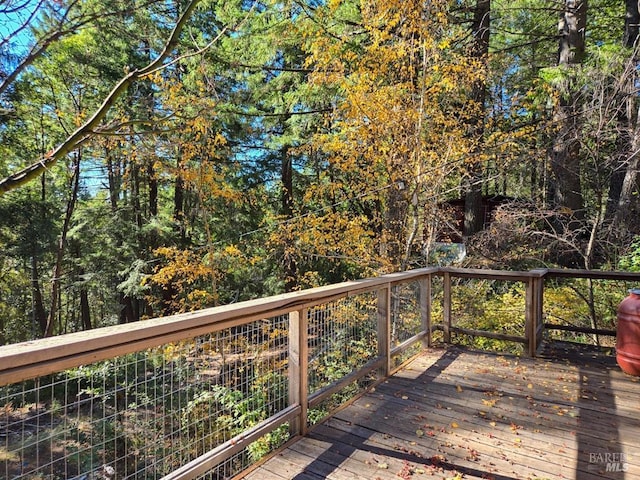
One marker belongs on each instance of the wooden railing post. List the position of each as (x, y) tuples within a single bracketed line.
[(534, 325), (530, 318), (298, 369), (425, 308), (537, 307), (446, 307), (384, 328)]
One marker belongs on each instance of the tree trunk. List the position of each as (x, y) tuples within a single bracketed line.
[(395, 219), (565, 160), (85, 311), (626, 213), (290, 264), (623, 205), (178, 200), (136, 194), (149, 104), (39, 313), (565, 154), (631, 24), (473, 215), (57, 270), (115, 180), (153, 189), (127, 310)]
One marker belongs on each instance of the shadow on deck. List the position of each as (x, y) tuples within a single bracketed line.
[(455, 413)]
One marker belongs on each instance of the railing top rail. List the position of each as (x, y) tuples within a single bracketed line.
[(593, 274), (27, 359), (513, 275), (540, 273), (40, 357)]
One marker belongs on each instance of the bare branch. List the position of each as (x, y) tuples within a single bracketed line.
[(25, 24)]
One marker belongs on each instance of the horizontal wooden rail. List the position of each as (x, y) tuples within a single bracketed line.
[(532, 335), (510, 275), (592, 274), (487, 334), (39, 359), (576, 329), (45, 356)]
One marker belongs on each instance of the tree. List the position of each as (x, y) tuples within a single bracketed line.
[(396, 136), (27, 234), (480, 29), (565, 153), (623, 205), (59, 19)]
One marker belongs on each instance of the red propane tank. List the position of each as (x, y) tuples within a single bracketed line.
[(628, 333)]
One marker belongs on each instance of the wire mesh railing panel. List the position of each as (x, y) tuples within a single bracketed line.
[(342, 339), (78, 422), (143, 415), (437, 310), (406, 319)]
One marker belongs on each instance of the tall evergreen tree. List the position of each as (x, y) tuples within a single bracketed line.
[(565, 154), (481, 31)]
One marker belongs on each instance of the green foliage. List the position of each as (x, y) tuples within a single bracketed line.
[(27, 239), (288, 145), (557, 76), (14, 288), (581, 304), (491, 306), (215, 415), (29, 225), (630, 261)]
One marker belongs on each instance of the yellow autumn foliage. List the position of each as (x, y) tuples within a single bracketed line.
[(399, 120), (187, 281)]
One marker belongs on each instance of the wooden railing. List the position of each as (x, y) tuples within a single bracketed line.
[(279, 356), (534, 313), (534, 281), (300, 338)]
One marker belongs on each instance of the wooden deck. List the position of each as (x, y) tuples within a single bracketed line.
[(454, 413)]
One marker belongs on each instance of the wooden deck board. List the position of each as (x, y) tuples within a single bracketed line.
[(454, 413)]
